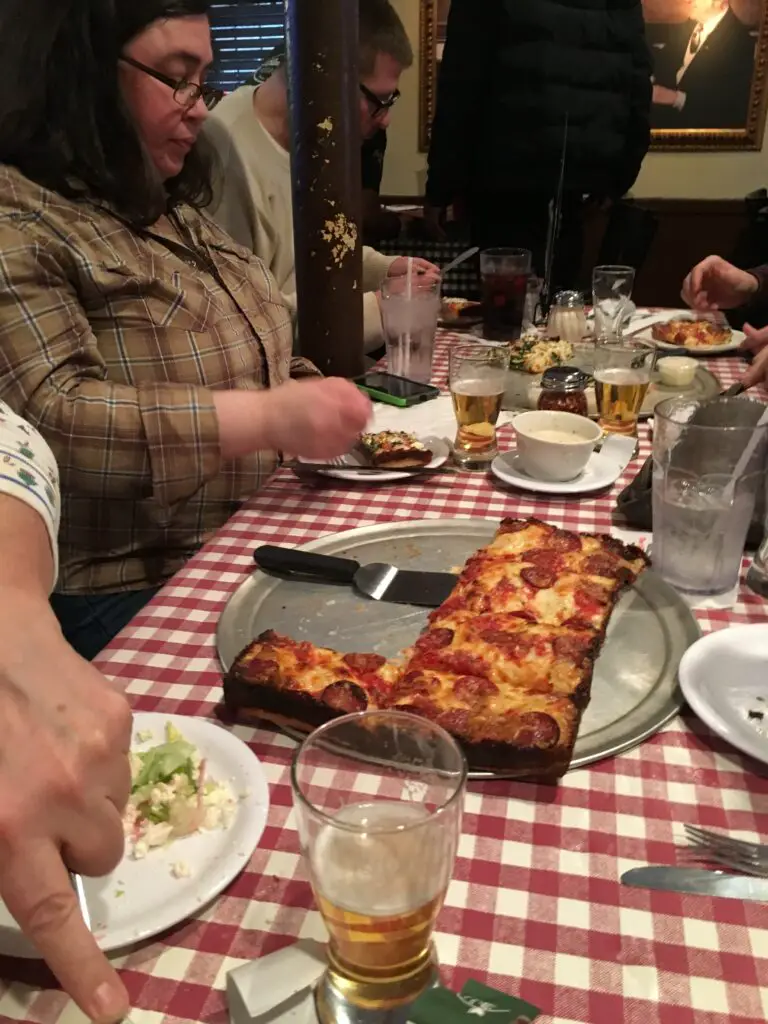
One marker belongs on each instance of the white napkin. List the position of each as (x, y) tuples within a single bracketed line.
[(434, 418)]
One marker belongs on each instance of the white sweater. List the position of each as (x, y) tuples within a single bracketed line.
[(253, 202)]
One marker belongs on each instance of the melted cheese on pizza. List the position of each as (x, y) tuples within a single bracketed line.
[(507, 659), (692, 333)]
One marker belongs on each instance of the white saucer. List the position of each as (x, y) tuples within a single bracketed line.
[(437, 446), (603, 469), (723, 678)]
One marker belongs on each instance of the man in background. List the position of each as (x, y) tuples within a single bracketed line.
[(250, 131), (378, 222), (511, 70), (710, 84)]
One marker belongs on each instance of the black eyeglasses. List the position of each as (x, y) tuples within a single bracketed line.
[(186, 94), (379, 106)]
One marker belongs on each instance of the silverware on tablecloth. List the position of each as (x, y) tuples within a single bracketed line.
[(77, 885), (735, 854), (698, 882), (467, 254), (379, 581), (336, 464)]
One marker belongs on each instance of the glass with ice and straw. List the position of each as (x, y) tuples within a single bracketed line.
[(410, 306), (708, 464)]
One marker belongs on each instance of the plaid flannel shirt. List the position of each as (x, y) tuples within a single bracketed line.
[(112, 342)]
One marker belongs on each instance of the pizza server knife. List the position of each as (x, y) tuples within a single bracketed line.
[(379, 581), (699, 881)]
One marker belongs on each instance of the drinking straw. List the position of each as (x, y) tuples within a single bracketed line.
[(409, 311), (745, 457)]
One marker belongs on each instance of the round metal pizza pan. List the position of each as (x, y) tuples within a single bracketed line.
[(634, 689)]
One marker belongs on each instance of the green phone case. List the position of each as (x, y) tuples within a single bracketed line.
[(383, 396)]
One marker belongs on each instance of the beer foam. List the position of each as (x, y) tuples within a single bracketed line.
[(382, 873)]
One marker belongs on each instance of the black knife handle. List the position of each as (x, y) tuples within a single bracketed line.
[(293, 561)]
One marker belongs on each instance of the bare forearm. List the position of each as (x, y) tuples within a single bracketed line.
[(26, 560), (243, 422)]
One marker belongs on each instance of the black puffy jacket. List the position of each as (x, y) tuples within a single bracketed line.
[(511, 69)]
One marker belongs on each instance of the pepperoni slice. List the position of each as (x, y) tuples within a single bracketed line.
[(435, 638), (460, 662), (578, 623), (453, 604), (469, 688), (549, 560), (513, 526), (591, 591), (497, 637), (536, 729), (602, 564), (562, 540), (541, 579), (615, 546), (263, 668), (570, 647), (346, 696), (519, 645), (363, 663), (456, 720), (421, 706)]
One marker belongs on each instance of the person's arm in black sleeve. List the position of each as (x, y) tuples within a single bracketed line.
[(639, 128), (464, 73)]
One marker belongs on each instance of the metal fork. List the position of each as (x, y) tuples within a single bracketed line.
[(736, 854)]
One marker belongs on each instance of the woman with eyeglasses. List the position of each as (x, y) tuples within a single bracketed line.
[(151, 351), (251, 133)]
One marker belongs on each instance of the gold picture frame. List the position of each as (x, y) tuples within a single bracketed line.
[(665, 136)]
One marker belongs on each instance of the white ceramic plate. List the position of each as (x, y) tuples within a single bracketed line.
[(440, 453), (141, 898), (724, 677), (601, 471), (737, 337)]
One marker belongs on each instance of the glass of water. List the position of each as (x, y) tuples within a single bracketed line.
[(704, 491), (410, 306), (611, 292)]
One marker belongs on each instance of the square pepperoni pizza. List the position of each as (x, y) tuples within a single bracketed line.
[(505, 663)]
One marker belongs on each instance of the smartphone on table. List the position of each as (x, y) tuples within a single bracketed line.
[(386, 387)]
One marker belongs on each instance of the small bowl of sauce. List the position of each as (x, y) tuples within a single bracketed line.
[(554, 446)]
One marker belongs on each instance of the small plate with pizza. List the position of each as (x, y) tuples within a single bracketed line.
[(696, 334), (459, 314), (391, 451)]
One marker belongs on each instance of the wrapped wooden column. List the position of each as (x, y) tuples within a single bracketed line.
[(322, 40)]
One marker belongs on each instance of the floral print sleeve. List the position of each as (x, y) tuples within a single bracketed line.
[(28, 472)]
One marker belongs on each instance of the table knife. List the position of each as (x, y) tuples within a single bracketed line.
[(77, 884), (699, 882), (379, 581)]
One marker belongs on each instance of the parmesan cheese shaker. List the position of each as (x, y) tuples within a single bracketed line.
[(567, 318)]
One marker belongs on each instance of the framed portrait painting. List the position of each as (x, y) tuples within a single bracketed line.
[(708, 68)]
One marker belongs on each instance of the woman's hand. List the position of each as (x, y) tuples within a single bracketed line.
[(755, 340), (316, 419), (423, 268), (64, 782), (758, 371), (716, 284)]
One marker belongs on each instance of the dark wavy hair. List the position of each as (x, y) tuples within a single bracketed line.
[(63, 121)]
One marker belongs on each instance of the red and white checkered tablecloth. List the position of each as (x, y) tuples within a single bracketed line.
[(536, 907)]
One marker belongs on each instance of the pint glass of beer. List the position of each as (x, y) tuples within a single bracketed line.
[(378, 798), (477, 378), (622, 378)]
